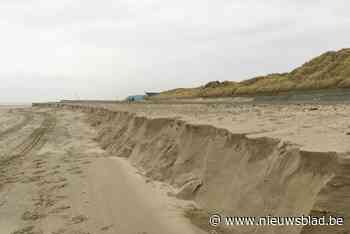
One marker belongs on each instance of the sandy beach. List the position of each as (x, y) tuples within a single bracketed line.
[(174, 117), (161, 168), (314, 127), (56, 179)]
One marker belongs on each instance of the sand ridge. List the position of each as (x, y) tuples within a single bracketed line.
[(74, 174), (227, 172), (313, 127), (58, 180)]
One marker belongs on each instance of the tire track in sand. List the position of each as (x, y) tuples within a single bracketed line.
[(9, 164), (27, 118), (35, 140)]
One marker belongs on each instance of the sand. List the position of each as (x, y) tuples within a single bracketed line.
[(138, 168), (235, 173), (55, 178), (312, 127)]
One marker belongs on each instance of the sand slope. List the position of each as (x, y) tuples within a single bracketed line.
[(313, 127), (56, 179), (228, 172)]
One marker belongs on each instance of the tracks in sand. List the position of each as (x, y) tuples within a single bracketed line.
[(28, 116), (34, 141)]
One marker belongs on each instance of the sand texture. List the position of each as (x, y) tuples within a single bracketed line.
[(321, 128), (239, 173), (55, 178), (157, 168)]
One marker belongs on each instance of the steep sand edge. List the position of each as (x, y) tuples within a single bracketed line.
[(254, 177)]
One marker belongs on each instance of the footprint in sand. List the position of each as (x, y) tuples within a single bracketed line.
[(55, 172), (25, 230), (32, 216), (106, 228), (44, 201), (61, 197), (39, 164), (37, 160), (39, 172), (59, 209), (79, 219), (56, 180), (57, 187), (11, 180)]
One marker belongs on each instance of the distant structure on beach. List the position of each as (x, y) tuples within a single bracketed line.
[(151, 94), (136, 98)]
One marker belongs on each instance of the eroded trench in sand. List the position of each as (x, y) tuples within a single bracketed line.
[(230, 173)]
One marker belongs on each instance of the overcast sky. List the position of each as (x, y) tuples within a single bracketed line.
[(53, 49)]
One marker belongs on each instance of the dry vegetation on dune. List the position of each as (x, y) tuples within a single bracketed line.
[(330, 70)]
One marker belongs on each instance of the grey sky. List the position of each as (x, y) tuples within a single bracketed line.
[(52, 49)]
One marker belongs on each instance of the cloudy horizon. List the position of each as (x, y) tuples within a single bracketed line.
[(110, 49)]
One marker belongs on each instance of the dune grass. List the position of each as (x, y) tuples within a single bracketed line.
[(327, 71)]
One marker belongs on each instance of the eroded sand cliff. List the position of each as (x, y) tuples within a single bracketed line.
[(227, 172)]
